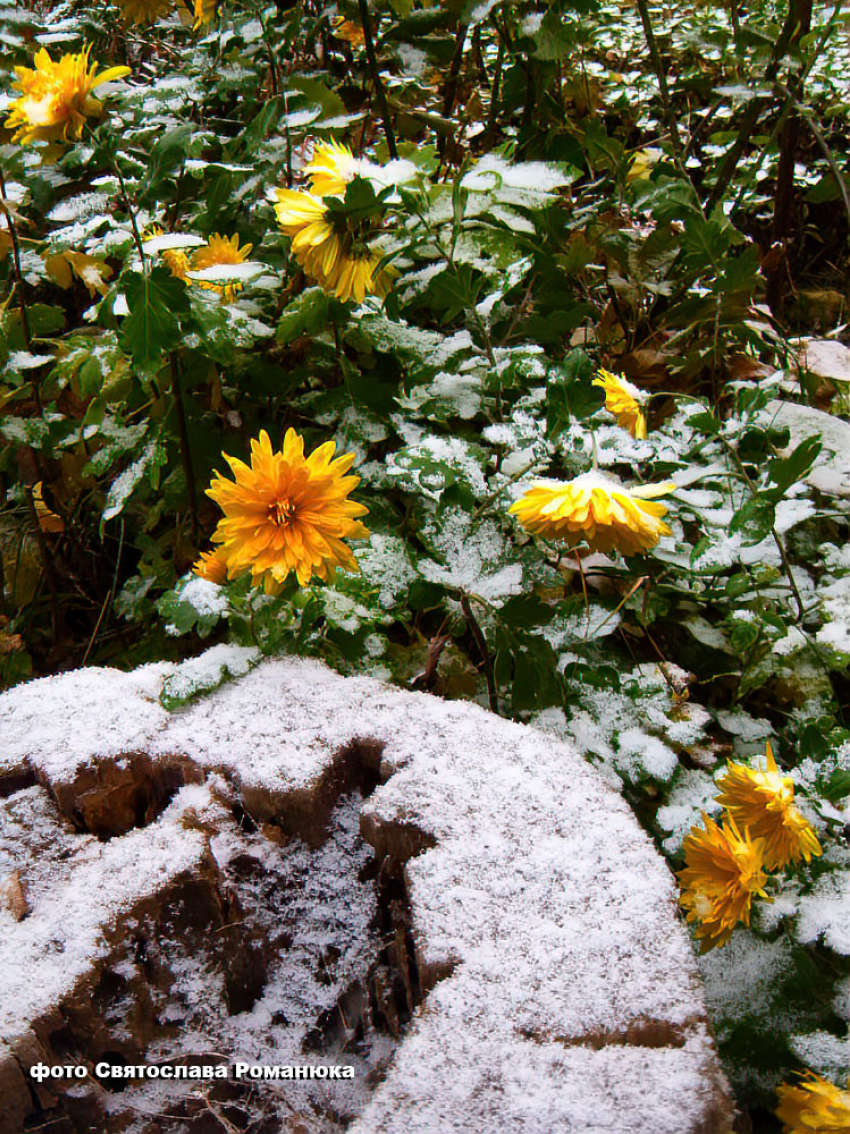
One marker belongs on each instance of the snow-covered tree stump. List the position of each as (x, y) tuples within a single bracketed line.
[(303, 869)]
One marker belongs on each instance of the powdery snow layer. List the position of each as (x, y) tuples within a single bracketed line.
[(560, 988)]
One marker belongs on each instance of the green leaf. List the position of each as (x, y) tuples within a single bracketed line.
[(754, 521), (785, 471), (570, 393), (738, 585), (169, 151), (418, 24), (155, 300), (305, 315), (836, 786), (705, 423), (456, 290), (526, 611)]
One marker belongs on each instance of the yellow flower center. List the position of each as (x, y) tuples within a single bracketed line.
[(281, 512)]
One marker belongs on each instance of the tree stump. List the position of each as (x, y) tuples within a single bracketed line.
[(305, 870)]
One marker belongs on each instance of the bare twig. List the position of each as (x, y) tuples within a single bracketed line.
[(107, 602), (748, 122), (817, 133), (481, 643), (454, 71), (661, 76), (777, 538), (16, 267), (377, 82), (185, 451)]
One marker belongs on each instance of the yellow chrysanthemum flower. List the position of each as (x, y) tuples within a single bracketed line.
[(332, 167), (814, 1106), (624, 401), (763, 803), (723, 871), (144, 11), (211, 565), (218, 251), (55, 97), (205, 12), (596, 510), (349, 31), (340, 264), (287, 512)]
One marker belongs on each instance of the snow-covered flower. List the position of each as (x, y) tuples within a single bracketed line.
[(625, 401), (596, 510), (723, 871), (218, 251), (331, 168), (763, 803)]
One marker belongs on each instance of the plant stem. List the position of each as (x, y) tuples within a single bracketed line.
[(454, 71), (817, 133), (661, 76), (481, 643), (273, 69), (748, 123), (512, 479), (107, 602), (777, 538), (185, 451), (19, 276), (377, 82), (496, 88), (137, 236)]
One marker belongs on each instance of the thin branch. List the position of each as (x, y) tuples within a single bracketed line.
[(748, 123), (107, 602), (496, 88), (661, 76), (273, 67), (16, 267), (137, 236), (828, 154), (47, 563), (454, 71), (777, 538), (481, 643), (377, 82), (185, 451)]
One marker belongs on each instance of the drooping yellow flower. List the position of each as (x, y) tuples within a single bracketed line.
[(337, 261), (624, 401), (763, 802), (211, 565), (814, 1106), (349, 31), (56, 97), (332, 167), (144, 11), (217, 252), (205, 12), (723, 871), (287, 512), (596, 510)]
